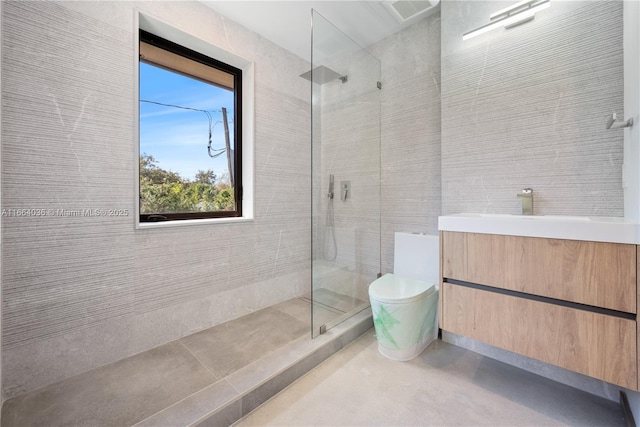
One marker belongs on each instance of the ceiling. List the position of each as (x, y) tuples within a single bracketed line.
[(288, 23)]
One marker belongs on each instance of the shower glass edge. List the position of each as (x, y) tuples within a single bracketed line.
[(345, 175)]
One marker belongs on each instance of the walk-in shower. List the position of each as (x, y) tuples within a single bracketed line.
[(345, 105)]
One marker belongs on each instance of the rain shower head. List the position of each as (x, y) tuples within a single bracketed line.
[(322, 75)]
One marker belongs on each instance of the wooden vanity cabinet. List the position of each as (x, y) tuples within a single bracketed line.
[(592, 273), (568, 303)]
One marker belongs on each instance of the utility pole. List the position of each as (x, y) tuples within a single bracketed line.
[(230, 154)]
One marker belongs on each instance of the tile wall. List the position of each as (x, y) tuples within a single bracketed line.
[(82, 292), (410, 132), (527, 107)]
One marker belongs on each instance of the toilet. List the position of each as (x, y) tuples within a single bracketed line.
[(405, 303)]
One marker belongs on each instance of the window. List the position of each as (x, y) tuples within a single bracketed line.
[(190, 134)]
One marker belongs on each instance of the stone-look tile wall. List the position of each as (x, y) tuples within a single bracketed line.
[(410, 132), (527, 107), (82, 292)]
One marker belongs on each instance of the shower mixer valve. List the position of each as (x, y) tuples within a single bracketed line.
[(345, 189)]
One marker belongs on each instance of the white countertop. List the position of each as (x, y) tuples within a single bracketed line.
[(593, 228)]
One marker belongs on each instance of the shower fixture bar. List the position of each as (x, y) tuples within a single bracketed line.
[(511, 16)]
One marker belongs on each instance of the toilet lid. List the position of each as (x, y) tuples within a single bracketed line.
[(392, 289)]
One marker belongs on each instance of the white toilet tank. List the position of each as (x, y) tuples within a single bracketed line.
[(417, 256)]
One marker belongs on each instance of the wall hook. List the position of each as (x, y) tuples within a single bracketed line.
[(614, 123)]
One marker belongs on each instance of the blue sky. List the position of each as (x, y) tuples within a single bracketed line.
[(178, 138)]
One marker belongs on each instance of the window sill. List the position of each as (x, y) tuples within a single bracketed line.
[(190, 222)]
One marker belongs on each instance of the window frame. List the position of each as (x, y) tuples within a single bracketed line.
[(237, 73)]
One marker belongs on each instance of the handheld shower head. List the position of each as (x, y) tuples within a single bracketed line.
[(330, 193)]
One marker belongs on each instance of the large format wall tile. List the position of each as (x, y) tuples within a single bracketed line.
[(410, 126), (81, 292), (527, 107)]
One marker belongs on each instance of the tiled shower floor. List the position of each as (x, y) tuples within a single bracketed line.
[(211, 377)]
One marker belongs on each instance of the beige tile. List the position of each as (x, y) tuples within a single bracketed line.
[(334, 300), (119, 394), (197, 406), (226, 348), (302, 352), (324, 316), (168, 386), (444, 386), (330, 307), (298, 307)]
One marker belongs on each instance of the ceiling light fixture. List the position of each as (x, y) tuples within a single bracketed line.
[(511, 16)]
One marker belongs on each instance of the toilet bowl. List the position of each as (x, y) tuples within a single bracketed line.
[(405, 303)]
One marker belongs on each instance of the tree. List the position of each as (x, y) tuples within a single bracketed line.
[(149, 169), (165, 191), (225, 200), (206, 177)]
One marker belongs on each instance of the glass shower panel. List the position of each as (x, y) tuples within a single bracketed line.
[(345, 106)]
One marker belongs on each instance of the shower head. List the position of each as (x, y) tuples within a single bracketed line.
[(322, 75)]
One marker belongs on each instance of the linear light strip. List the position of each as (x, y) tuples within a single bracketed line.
[(509, 19), (513, 8)]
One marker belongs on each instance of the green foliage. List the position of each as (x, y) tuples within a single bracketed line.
[(163, 191), (206, 177), (150, 170)]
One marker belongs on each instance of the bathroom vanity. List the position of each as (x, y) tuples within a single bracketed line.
[(563, 290)]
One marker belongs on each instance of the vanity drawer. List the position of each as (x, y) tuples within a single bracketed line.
[(592, 273), (594, 344)]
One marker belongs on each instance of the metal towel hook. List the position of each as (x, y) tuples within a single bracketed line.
[(614, 123)]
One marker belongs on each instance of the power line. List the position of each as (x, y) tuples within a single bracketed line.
[(210, 149)]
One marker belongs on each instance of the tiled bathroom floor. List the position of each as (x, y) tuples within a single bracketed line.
[(445, 386), (131, 390)]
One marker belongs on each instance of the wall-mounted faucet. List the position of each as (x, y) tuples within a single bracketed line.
[(527, 201), (345, 190)]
